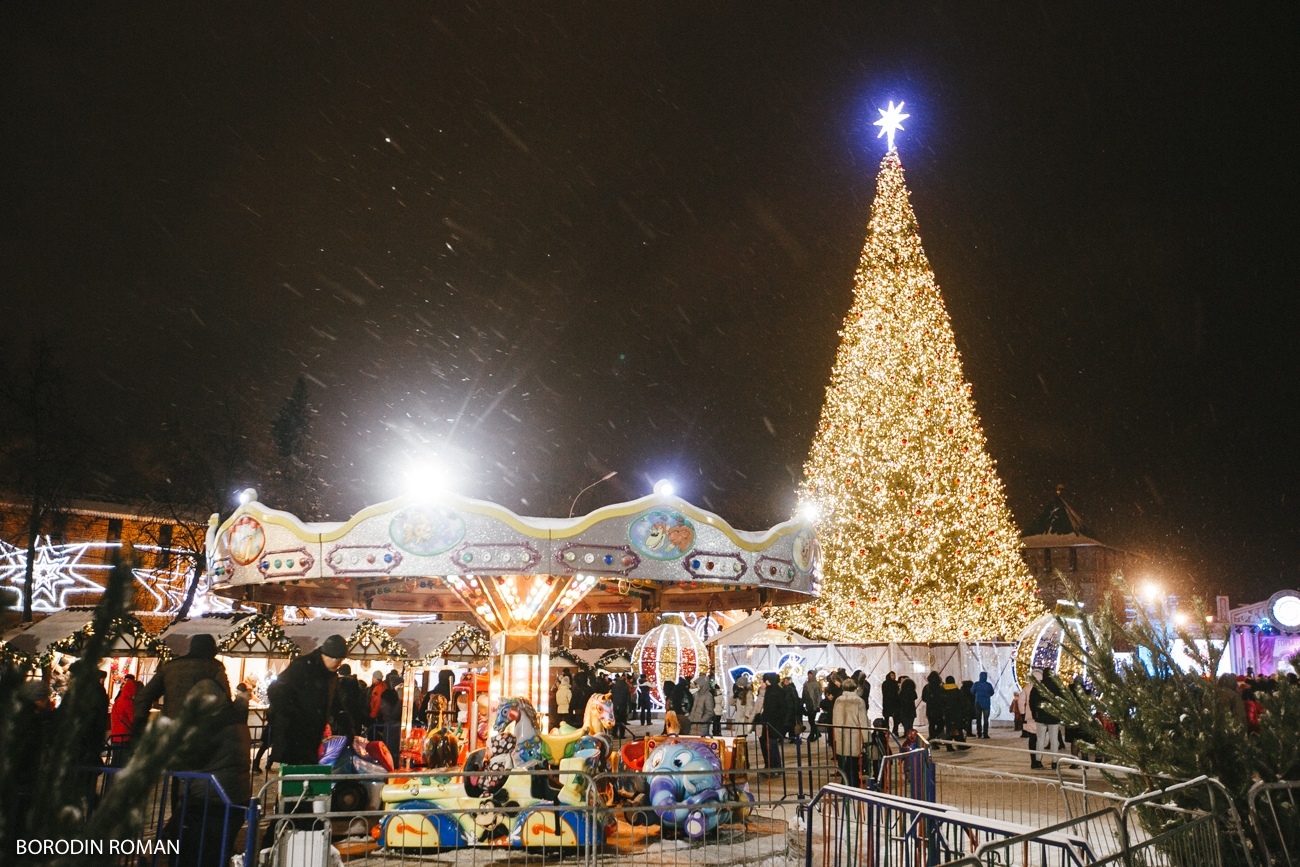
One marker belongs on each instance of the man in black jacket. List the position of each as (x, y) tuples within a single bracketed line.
[(776, 716), (301, 699), (620, 694), (175, 679)]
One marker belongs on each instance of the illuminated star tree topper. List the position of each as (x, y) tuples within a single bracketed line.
[(891, 121)]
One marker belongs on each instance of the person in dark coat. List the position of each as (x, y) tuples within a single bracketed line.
[(983, 692), (390, 710), (889, 701), (683, 701), (776, 714), (669, 693), (620, 694), (932, 695), (582, 693), (952, 707), (968, 710), (350, 706), (223, 753), (175, 680), (643, 700), (301, 698), (906, 704)]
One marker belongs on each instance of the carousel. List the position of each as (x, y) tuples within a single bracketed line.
[(518, 578)]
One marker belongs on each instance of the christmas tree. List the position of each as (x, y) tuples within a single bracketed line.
[(918, 542)]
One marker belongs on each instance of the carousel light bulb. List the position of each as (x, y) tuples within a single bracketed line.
[(664, 488), (247, 495), (808, 512)]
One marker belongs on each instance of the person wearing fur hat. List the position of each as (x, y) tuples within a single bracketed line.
[(301, 698)]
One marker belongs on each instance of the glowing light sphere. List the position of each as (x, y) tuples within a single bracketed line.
[(1040, 646), (668, 652)]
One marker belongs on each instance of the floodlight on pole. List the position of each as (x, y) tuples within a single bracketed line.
[(605, 478)]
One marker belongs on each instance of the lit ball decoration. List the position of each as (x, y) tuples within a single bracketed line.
[(1040, 645), (668, 652)]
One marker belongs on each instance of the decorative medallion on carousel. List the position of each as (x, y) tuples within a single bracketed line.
[(245, 540), (670, 651), (1040, 645), (426, 530), (661, 534), (807, 550)]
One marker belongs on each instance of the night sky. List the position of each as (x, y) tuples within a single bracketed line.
[(539, 242)]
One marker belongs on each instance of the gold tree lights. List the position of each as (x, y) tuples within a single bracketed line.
[(917, 538)]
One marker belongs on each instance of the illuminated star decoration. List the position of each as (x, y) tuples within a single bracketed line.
[(891, 120), (56, 573)]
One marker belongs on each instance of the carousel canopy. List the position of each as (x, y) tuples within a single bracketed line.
[(513, 574), (177, 637)]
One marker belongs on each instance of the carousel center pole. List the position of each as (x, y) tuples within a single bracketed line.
[(521, 666)]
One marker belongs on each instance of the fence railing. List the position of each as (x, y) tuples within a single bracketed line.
[(187, 819), (739, 816), (1151, 830), (860, 828), (1275, 816)]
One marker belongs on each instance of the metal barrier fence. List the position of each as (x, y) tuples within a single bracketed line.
[(1151, 830), (872, 829), (1275, 815), (658, 817), (188, 820)]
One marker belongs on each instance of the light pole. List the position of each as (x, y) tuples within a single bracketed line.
[(605, 478)]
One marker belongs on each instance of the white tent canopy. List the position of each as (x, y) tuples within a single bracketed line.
[(755, 625), (35, 638), (178, 635), (311, 634), (422, 639)]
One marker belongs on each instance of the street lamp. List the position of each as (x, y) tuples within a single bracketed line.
[(605, 478)]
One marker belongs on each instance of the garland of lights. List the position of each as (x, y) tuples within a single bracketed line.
[(258, 635), (467, 641), (128, 628), (368, 635), (917, 539), (15, 658), (610, 656), (565, 653)]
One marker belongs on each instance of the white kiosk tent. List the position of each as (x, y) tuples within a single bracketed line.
[(254, 650), (132, 649), (962, 660), (178, 635)]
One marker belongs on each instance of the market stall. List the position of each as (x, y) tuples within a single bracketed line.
[(54, 641)]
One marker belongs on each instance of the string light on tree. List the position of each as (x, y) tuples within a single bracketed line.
[(917, 539)]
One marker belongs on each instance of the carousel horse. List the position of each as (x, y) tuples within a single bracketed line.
[(582, 752), (433, 811), (515, 744), (688, 793), (440, 748)]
